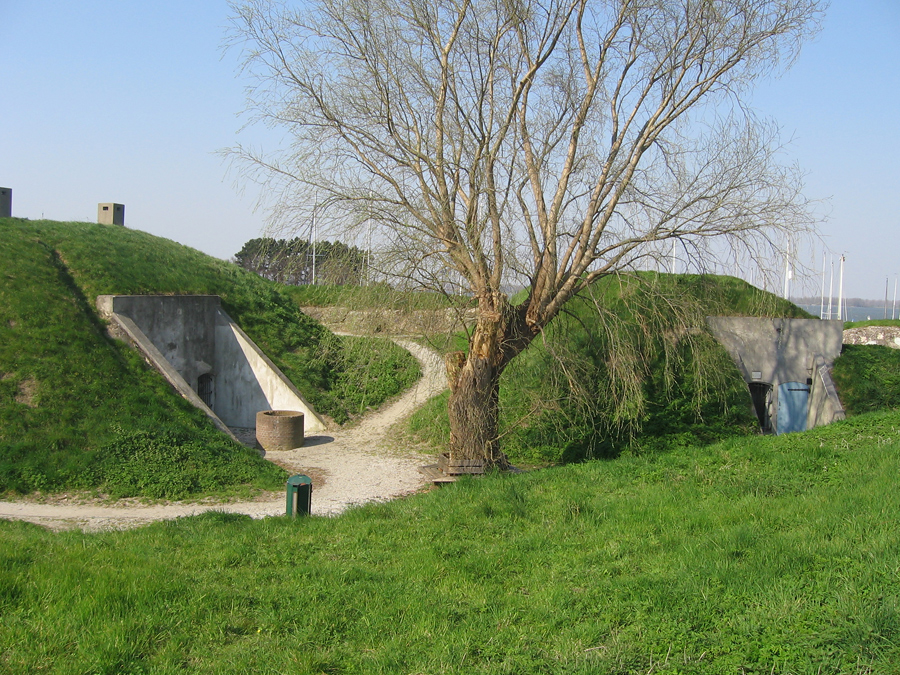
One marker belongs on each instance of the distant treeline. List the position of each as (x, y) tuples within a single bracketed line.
[(292, 261), (849, 302)]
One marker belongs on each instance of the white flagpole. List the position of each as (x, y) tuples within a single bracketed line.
[(894, 306), (841, 292), (822, 305), (831, 290)]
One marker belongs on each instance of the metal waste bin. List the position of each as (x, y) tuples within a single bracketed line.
[(299, 496)]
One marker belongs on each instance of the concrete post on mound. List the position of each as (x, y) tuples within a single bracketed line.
[(5, 202), (111, 214)]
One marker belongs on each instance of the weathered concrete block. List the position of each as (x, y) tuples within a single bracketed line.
[(111, 214), (5, 202)]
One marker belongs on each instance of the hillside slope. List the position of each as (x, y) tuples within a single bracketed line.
[(79, 410)]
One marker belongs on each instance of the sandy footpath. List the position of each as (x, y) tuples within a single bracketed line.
[(348, 467)]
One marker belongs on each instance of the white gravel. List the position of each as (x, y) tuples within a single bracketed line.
[(348, 467)]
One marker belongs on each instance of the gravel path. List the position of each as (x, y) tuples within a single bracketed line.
[(348, 467)]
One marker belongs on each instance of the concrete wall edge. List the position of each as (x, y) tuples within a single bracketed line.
[(319, 423), (128, 331)]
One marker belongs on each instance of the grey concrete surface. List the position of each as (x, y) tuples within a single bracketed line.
[(5, 202), (188, 337), (778, 351), (109, 213), (824, 403)]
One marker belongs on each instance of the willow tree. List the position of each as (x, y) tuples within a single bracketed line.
[(549, 142)]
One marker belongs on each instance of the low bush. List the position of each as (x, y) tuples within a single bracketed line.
[(368, 371)]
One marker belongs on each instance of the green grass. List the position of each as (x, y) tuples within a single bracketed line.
[(71, 399), (873, 322), (868, 378), (365, 372), (639, 373), (376, 296), (765, 555)]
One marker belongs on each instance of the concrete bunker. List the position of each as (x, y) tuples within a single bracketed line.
[(111, 214), (206, 356), (5, 202), (786, 364)]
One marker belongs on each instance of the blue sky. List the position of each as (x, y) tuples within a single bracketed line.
[(129, 102)]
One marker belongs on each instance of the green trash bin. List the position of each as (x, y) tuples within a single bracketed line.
[(299, 495)]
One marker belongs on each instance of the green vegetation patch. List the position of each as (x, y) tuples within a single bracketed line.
[(374, 296), (770, 554), (364, 373), (868, 378)]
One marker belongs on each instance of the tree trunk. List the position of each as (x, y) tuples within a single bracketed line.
[(474, 410)]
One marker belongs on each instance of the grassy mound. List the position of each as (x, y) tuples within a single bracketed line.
[(629, 365), (71, 398), (868, 378), (373, 297), (768, 554)]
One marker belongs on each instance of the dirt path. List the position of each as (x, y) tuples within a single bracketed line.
[(348, 467)]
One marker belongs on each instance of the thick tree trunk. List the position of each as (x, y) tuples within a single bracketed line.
[(474, 410)]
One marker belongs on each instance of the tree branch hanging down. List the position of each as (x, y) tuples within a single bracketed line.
[(539, 143)]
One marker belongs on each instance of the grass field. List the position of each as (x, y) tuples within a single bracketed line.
[(748, 555), (764, 555)]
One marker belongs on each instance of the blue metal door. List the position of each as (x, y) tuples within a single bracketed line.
[(793, 399)]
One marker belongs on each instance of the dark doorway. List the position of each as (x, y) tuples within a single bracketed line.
[(205, 389), (761, 394)]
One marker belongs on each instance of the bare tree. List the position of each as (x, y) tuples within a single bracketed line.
[(549, 142)]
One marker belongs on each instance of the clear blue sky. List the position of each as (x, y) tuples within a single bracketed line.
[(128, 102)]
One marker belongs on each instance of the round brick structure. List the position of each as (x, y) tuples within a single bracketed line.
[(279, 429)]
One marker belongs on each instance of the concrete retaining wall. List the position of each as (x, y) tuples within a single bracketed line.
[(186, 337), (824, 404)]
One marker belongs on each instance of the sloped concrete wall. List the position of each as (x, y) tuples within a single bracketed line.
[(824, 404), (247, 381), (124, 328), (179, 326), (186, 337)]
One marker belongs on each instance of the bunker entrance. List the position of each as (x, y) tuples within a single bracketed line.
[(793, 402), (761, 394), (205, 389)]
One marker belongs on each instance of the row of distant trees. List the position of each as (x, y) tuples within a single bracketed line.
[(298, 261)]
